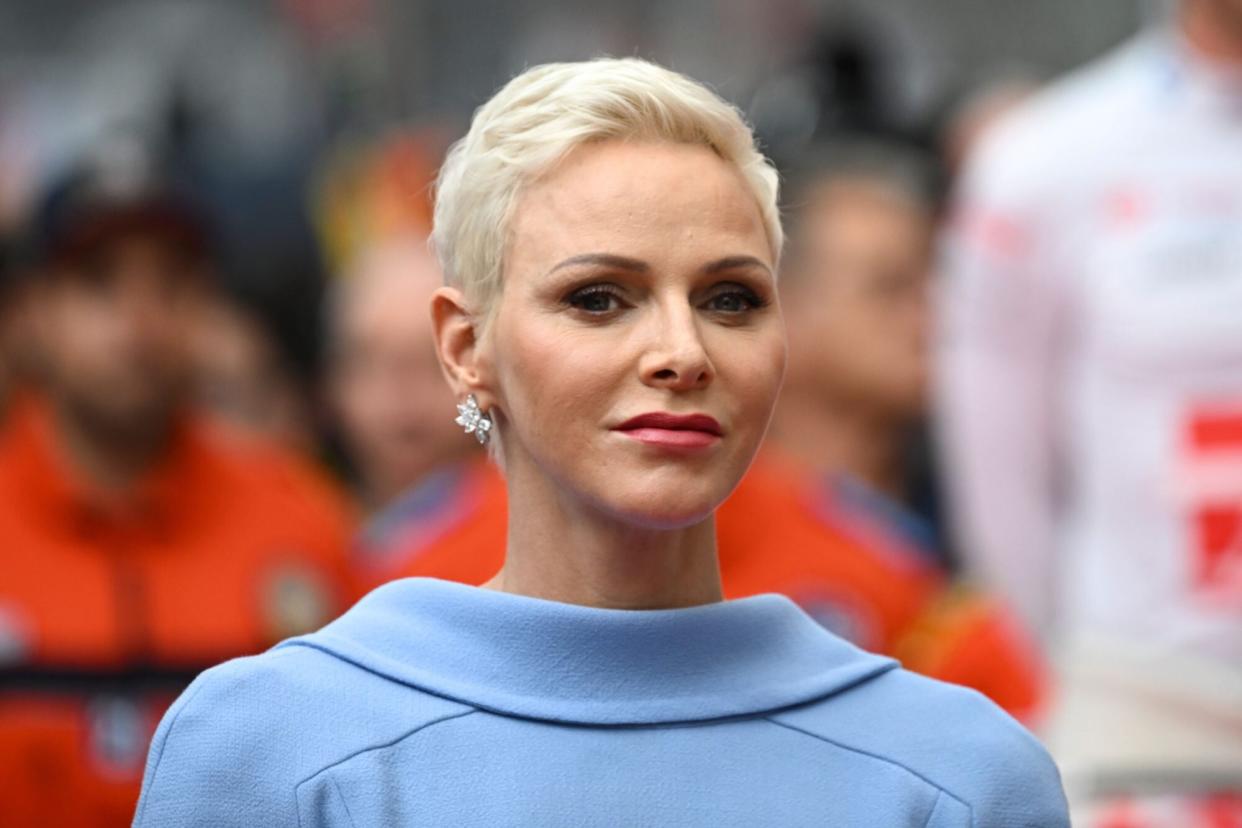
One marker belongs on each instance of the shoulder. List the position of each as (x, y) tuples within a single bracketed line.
[(234, 747), (953, 738), (1065, 131)]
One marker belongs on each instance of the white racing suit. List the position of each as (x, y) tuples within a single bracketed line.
[(1090, 394)]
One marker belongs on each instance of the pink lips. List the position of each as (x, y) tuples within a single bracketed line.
[(673, 431)]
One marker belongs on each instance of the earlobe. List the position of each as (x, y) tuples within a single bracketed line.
[(457, 344)]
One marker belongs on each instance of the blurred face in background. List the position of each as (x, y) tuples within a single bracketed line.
[(114, 329), (394, 408), (1230, 12), (243, 379), (857, 298)]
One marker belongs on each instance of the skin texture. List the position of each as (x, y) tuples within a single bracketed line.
[(115, 335), (859, 314), (385, 384), (1214, 29), (242, 379), (573, 349), (857, 294)]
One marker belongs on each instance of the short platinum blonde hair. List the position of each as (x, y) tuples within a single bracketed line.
[(539, 117)]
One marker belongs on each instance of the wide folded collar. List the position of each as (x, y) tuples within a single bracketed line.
[(559, 662)]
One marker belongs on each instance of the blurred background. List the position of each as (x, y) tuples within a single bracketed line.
[(222, 420), (264, 101)]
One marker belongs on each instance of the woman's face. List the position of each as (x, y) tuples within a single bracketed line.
[(638, 284)]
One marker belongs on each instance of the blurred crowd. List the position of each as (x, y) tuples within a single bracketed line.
[(1008, 450)]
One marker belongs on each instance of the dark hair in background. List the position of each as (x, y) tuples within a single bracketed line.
[(904, 166)]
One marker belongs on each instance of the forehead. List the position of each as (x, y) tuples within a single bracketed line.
[(867, 219), (129, 261), (132, 246), (388, 291), (861, 199), (660, 202), (850, 235)]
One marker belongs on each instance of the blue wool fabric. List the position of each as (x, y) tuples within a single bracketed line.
[(436, 704)]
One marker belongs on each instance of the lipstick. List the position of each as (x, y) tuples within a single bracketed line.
[(678, 432)]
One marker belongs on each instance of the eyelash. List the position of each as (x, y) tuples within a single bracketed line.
[(752, 300), (577, 299)]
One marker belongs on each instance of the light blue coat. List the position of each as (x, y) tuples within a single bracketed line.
[(436, 704)]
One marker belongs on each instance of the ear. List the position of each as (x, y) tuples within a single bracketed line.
[(456, 330)]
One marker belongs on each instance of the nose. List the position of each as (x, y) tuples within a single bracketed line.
[(676, 358)]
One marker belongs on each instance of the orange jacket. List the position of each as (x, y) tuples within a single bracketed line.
[(451, 526), (785, 530), (108, 607), (782, 531)]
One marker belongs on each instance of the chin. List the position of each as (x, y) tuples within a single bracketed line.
[(665, 520), (659, 507)]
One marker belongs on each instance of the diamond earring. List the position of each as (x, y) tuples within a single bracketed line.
[(473, 419)]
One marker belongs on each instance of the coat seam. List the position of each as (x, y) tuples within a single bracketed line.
[(344, 804), (382, 746), (935, 807), (942, 791)]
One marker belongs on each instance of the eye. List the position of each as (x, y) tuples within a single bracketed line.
[(734, 299), (595, 299)]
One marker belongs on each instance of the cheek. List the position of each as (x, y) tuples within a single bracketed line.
[(74, 338), (755, 371), (776, 363), (551, 380), (816, 317), (819, 335), (857, 326), (77, 323)]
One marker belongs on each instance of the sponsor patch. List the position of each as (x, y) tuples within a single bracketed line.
[(15, 637), (296, 599)]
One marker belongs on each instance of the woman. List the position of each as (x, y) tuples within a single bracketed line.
[(610, 237)]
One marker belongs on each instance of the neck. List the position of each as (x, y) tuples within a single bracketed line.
[(109, 459), (1213, 30), (565, 550), (841, 438)]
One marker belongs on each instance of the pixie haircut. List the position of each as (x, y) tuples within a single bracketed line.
[(537, 118)]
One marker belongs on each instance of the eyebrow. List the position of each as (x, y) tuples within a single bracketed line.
[(639, 266), (733, 262), (604, 260)]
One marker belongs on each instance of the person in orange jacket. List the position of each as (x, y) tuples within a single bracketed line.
[(139, 543), (855, 288)]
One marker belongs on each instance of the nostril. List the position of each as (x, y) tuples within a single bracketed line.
[(666, 373)]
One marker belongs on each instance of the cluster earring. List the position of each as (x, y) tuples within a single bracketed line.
[(474, 419)]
